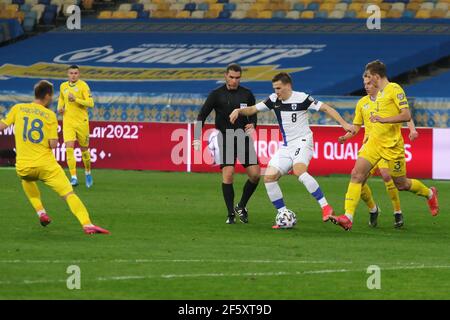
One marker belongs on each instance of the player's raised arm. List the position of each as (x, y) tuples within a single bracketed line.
[(248, 111), (87, 100), (337, 117)]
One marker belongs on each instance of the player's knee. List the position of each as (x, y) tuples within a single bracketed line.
[(357, 176), (270, 178), (386, 177), (401, 185), (67, 195)]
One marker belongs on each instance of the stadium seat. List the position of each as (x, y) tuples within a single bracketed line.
[(266, 14), (229, 6), (6, 1), (216, 7), (394, 14), (39, 9), (238, 14), (125, 7), (198, 14), (409, 14), (414, 6), (427, 6), (299, 6), (438, 14), (293, 14), (203, 6), (18, 2), (184, 14), (106, 14), (356, 6), (12, 7), (151, 7), (308, 14), (350, 14), (222, 1), (399, 6), (336, 14), (120, 14), (44, 2), (243, 6), (313, 6), (279, 14), (131, 15), (260, 6), (327, 6), (28, 24), (212, 14), (224, 14), (423, 14), (341, 6), (442, 6)]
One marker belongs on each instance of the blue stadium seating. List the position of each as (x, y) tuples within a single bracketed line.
[(190, 6), (225, 14), (137, 7)]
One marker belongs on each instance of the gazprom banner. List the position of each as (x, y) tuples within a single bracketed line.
[(194, 62)]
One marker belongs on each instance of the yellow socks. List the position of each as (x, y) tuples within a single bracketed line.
[(71, 162), (352, 197), (78, 209), (86, 155), (366, 196), (32, 192), (393, 195), (419, 188)]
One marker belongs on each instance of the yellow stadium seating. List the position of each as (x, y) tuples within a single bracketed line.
[(394, 14), (119, 15), (131, 14), (423, 14), (183, 14), (308, 14), (212, 14), (260, 6), (437, 13), (12, 7), (266, 14), (280, 6), (252, 14), (216, 7), (106, 14), (327, 6), (163, 6), (355, 6), (413, 6)]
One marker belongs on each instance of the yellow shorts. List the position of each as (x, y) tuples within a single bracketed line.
[(382, 164), (52, 175), (77, 132), (394, 157)]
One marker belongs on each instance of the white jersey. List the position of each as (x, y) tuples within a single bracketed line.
[(292, 114)]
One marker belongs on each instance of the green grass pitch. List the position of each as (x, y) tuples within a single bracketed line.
[(169, 241)]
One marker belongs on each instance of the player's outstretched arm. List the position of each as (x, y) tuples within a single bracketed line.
[(404, 116), (248, 111), (349, 134), (337, 117)]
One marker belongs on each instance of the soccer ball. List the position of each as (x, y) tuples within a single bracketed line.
[(286, 219)]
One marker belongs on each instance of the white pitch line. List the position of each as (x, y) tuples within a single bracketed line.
[(214, 275), (16, 261)]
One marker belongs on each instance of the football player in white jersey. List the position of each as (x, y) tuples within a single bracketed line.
[(291, 109)]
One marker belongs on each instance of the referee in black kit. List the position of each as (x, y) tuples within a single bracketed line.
[(234, 139)]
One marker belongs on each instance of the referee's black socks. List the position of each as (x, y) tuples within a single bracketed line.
[(228, 196), (249, 188)]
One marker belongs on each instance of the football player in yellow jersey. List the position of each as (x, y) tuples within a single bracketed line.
[(363, 110), (384, 143), (74, 100), (36, 134)]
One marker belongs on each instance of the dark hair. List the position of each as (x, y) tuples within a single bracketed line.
[(74, 66), (284, 77), (234, 67), (377, 67), (42, 88)]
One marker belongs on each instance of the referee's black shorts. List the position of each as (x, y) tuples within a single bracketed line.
[(237, 145)]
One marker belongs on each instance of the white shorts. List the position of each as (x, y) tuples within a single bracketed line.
[(297, 151)]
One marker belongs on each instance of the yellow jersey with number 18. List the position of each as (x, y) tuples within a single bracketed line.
[(389, 102), (34, 126)]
